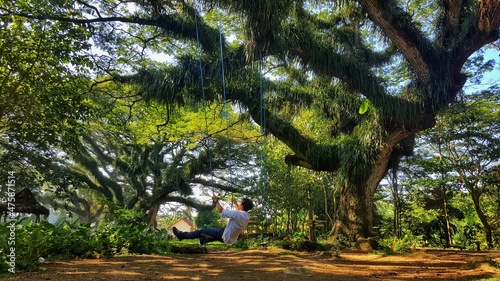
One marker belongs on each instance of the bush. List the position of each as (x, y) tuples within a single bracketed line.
[(36, 240), (140, 239), (70, 240), (407, 243)]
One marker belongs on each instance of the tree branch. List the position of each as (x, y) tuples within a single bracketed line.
[(400, 28), (217, 185), (185, 201), (452, 12), (177, 26), (91, 7)]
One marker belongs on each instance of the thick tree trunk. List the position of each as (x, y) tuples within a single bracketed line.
[(354, 215)]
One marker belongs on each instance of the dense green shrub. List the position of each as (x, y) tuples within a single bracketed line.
[(137, 239), (45, 240), (64, 239), (405, 244)]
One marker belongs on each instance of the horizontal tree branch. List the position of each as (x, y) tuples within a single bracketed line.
[(179, 27)]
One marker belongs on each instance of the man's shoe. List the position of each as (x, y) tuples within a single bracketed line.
[(177, 233)]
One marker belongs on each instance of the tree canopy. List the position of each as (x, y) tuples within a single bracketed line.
[(370, 73)]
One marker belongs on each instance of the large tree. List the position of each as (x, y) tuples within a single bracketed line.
[(141, 155), (399, 62)]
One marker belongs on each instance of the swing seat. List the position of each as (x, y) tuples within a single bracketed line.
[(189, 250)]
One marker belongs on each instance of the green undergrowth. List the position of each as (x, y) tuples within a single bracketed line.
[(35, 242), (194, 243)]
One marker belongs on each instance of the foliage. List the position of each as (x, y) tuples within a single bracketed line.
[(65, 239), (465, 145), (86, 205), (42, 102), (134, 239), (407, 243), (287, 192), (140, 154), (320, 58), (61, 240), (118, 215), (41, 94), (344, 72), (208, 218), (447, 188)]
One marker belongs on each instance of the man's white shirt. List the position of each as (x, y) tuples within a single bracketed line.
[(238, 221)]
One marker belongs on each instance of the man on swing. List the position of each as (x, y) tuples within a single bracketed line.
[(238, 221)]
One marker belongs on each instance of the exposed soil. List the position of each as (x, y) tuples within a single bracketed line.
[(270, 265)]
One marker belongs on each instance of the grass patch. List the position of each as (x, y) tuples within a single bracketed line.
[(194, 242)]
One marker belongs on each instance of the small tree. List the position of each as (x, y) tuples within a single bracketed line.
[(468, 135), (208, 218)]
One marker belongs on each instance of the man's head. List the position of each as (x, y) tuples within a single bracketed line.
[(246, 204)]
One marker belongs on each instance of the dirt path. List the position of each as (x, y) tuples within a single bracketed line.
[(273, 266)]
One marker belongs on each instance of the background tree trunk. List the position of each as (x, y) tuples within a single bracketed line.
[(153, 212), (484, 221)]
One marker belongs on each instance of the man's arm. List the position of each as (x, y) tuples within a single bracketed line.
[(235, 203), (217, 204)]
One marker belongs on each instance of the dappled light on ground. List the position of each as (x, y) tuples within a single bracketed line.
[(276, 265)]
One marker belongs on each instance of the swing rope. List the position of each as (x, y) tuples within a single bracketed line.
[(226, 111), (263, 173), (203, 95), (263, 151), (225, 108), (263, 176)]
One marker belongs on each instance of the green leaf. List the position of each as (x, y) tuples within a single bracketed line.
[(364, 106)]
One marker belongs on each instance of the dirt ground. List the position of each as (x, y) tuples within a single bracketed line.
[(270, 265)]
